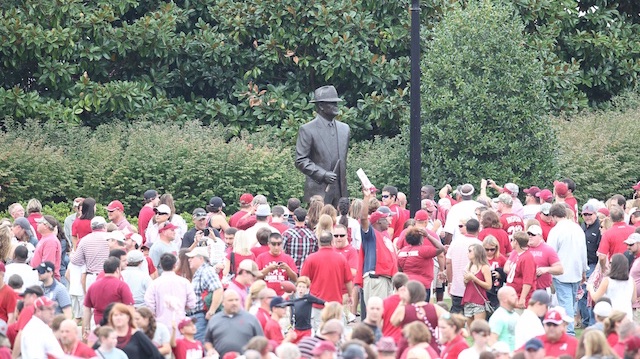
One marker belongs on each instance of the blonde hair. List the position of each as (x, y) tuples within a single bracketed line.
[(241, 243), (331, 211), (331, 310), (610, 322), (304, 279), (493, 241), (593, 342), (254, 290), (325, 223)]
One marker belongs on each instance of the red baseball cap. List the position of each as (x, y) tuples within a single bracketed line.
[(115, 205), (561, 188), (545, 195), (604, 210), (376, 216), (246, 198), (167, 227), (556, 315), (186, 321), (428, 205), (531, 191), (421, 215), (637, 186), (44, 302)]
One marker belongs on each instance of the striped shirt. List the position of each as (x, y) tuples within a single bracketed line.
[(92, 251), (299, 242)]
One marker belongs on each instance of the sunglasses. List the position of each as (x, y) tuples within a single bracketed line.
[(587, 214), (162, 214), (460, 225), (531, 234), (275, 243), (339, 235), (385, 196), (491, 249)]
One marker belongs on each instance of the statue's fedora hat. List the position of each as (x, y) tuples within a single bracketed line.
[(326, 94)]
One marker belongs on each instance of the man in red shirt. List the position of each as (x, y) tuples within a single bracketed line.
[(49, 248), (151, 201), (8, 298), (277, 219), (68, 337), (556, 341), (390, 199), (264, 311), (612, 241), (327, 281), (103, 292), (546, 222), (272, 329), (510, 221), (521, 269), (389, 305), (245, 207), (569, 198), (547, 261), (341, 245), (277, 266)]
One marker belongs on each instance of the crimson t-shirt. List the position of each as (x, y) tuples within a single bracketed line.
[(145, 216), (523, 271), (105, 291), (511, 223), (329, 272), (389, 330), (566, 345), (187, 349), (613, 239), (80, 228), (417, 262), (8, 300), (272, 331), (502, 237), (278, 275)]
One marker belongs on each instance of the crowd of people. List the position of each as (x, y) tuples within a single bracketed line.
[(363, 280)]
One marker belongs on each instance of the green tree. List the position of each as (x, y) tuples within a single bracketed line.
[(484, 100)]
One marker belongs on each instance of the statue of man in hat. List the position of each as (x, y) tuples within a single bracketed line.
[(321, 149)]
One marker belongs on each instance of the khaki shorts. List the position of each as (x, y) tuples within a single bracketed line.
[(377, 287)]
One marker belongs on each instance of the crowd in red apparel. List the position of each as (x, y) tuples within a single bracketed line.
[(362, 280)]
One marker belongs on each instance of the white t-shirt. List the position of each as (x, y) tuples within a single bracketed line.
[(530, 211), (463, 209), (472, 353), (528, 326), (38, 341), (28, 275), (75, 279)]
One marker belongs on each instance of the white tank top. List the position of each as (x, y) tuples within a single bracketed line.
[(620, 292)]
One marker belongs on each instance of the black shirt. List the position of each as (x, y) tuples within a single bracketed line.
[(301, 311), (592, 236), (188, 238)]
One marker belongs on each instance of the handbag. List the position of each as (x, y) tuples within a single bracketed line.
[(487, 304)]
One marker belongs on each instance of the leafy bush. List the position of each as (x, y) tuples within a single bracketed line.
[(484, 101), (598, 149)]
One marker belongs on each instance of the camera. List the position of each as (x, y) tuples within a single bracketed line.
[(206, 232)]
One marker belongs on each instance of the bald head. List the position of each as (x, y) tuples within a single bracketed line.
[(402, 199), (68, 332), (265, 297), (508, 297), (375, 308), (231, 302)]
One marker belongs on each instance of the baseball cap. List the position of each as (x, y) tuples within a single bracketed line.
[(323, 346), (246, 198), (428, 205), (637, 186), (534, 344), (162, 209), (77, 202), (23, 223), (602, 309), (545, 195), (421, 215), (263, 210), (561, 188), (150, 194), (353, 351), (167, 227), (199, 213), (198, 251), (466, 189), (135, 256), (43, 301), (604, 210), (510, 188), (531, 191), (45, 267), (588, 208), (135, 237), (276, 302), (117, 236), (386, 210), (557, 315), (545, 208), (386, 345), (98, 221), (216, 202), (113, 205), (541, 296), (633, 239), (505, 198), (632, 344), (186, 321), (377, 215), (34, 289), (250, 266), (535, 230)]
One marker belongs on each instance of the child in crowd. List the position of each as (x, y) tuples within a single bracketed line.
[(187, 346), (301, 305), (108, 340)]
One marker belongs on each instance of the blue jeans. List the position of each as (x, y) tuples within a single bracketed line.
[(586, 313), (201, 326), (566, 293)]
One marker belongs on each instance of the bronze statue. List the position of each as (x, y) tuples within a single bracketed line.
[(321, 149)]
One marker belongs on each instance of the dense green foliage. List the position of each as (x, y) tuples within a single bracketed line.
[(598, 149), (250, 64), (484, 101)]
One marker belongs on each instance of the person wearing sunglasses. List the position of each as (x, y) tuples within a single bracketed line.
[(277, 266), (547, 261)]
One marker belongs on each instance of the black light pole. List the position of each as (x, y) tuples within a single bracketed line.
[(415, 161)]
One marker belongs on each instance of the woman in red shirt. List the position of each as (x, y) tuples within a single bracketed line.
[(451, 326), (491, 226), (496, 262), (416, 259), (477, 279), (82, 225)]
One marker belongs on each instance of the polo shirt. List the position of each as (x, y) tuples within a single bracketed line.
[(263, 317), (58, 293), (38, 340), (93, 251), (328, 271), (613, 239), (82, 350), (230, 333), (566, 345), (80, 228), (272, 331), (105, 291), (48, 249)]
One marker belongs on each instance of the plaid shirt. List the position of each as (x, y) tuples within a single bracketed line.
[(299, 242), (204, 278)]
